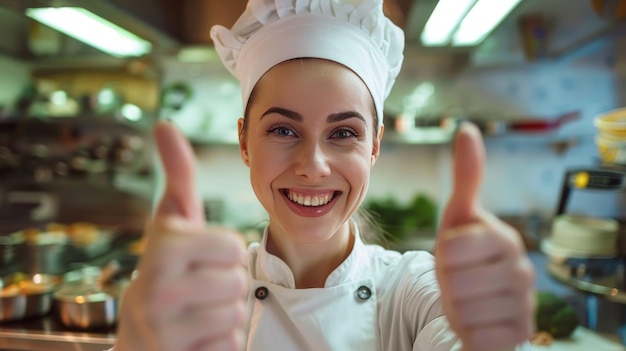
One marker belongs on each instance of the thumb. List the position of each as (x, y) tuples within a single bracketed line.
[(177, 159), (469, 161)]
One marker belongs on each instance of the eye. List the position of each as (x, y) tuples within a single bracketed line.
[(281, 131), (344, 133)]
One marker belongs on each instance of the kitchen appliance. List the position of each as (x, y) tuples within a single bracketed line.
[(596, 192), (600, 280), (592, 227), (603, 194)]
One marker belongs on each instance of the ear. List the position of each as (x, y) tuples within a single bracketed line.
[(377, 142), (243, 146)]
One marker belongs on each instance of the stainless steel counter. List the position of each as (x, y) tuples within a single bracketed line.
[(47, 333), (611, 287), (29, 340)]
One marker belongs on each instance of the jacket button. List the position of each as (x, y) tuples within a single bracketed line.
[(363, 292), (261, 293)]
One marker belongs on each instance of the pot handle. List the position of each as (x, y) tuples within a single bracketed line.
[(108, 272), (567, 117)]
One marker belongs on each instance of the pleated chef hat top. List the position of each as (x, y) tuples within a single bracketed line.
[(354, 33)]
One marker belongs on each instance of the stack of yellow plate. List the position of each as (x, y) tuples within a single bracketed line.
[(611, 138), (582, 237)]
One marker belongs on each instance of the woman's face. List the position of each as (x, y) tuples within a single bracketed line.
[(310, 145)]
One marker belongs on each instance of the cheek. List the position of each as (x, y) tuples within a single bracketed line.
[(358, 170), (264, 168)]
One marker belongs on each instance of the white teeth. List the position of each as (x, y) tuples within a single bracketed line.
[(308, 200)]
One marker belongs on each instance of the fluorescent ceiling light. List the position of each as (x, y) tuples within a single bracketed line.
[(91, 29), (481, 20), (444, 19)]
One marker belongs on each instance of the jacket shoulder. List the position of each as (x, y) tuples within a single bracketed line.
[(409, 262)]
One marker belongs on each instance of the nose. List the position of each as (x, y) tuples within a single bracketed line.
[(312, 162)]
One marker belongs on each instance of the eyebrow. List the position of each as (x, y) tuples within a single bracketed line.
[(332, 118)]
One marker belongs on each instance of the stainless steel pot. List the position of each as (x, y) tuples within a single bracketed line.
[(50, 251), (26, 295), (47, 258), (92, 301), (86, 307)]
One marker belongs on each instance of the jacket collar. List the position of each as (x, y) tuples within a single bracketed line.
[(271, 269)]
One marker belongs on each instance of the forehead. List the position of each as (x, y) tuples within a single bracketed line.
[(315, 79)]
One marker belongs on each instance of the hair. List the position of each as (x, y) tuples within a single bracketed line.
[(369, 227)]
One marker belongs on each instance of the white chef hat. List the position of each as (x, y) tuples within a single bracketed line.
[(354, 33)]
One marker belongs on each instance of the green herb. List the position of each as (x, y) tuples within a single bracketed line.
[(398, 221)]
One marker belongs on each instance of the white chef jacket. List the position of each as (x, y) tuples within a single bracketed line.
[(376, 299)]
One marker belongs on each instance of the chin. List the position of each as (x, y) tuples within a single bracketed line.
[(310, 233)]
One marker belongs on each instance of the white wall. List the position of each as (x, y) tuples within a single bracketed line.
[(524, 173)]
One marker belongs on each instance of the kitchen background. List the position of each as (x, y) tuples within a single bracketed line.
[(573, 61)]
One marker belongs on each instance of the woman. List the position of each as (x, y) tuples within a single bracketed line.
[(314, 76)]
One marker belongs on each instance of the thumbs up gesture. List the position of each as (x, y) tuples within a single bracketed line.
[(191, 284), (485, 277)]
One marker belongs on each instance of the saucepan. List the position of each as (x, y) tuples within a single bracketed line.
[(91, 301), (51, 248), (26, 295)]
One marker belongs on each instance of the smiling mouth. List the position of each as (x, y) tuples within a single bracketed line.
[(309, 200)]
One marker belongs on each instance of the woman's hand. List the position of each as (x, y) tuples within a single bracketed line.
[(486, 279), (190, 289)]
